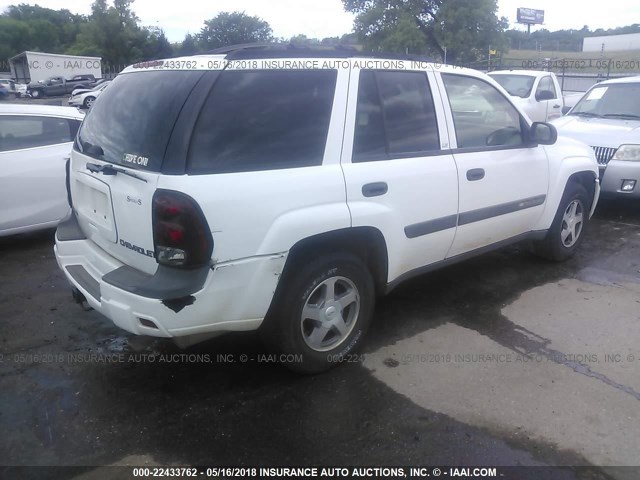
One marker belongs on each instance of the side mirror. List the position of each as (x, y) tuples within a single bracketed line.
[(565, 110), (543, 133), (545, 95)]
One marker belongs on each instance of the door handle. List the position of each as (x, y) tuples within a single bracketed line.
[(475, 174), (375, 189), (556, 106)]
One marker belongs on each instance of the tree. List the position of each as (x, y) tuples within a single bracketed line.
[(233, 28), (465, 27), (188, 46)]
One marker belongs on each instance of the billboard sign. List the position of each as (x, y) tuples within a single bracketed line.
[(530, 15)]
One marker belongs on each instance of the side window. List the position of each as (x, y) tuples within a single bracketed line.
[(395, 116), (369, 138), (482, 116), (546, 85), (19, 132), (263, 120)]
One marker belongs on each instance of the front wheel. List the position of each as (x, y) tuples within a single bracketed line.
[(88, 102), (36, 93), (321, 313), (569, 225)]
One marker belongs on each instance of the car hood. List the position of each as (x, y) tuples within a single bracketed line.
[(78, 91), (601, 132)]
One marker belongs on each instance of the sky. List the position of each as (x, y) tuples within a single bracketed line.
[(327, 18)]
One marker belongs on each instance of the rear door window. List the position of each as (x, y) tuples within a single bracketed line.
[(395, 116), (263, 120), (133, 119)]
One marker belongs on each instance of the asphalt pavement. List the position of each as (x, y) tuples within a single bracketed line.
[(503, 360)]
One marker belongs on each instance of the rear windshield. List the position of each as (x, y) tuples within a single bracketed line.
[(131, 121)]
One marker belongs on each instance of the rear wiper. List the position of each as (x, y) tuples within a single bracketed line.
[(621, 115), (111, 170), (586, 114)]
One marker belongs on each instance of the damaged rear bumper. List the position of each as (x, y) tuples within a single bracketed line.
[(229, 296)]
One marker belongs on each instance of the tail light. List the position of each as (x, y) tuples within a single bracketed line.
[(181, 235)]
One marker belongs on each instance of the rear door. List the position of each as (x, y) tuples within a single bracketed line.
[(401, 177), (33, 152), (128, 128)]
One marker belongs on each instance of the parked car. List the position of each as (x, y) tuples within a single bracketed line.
[(85, 98), (286, 197), (97, 84), (59, 85), (608, 119), (4, 92), (13, 87), (35, 142), (538, 93)]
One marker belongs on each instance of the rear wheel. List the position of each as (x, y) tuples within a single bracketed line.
[(569, 225), (36, 93), (322, 312)]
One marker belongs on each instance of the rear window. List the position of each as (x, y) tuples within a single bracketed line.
[(132, 120), (263, 120)]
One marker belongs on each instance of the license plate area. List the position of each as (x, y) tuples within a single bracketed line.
[(92, 202)]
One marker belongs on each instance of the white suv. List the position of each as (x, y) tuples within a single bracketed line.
[(284, 190)]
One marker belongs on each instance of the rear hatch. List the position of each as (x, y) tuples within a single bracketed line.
[(117, 159)]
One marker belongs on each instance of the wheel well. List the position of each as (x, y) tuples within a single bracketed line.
[(586, 179), (366, 243)]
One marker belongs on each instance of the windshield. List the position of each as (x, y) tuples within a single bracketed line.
[(616, 100), (516, 85)]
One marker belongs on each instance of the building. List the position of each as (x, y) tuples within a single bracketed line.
[(35, 66), (611, 43)]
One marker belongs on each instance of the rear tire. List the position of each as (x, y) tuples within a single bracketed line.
[(569, 225), (36, 93), (321, 313)]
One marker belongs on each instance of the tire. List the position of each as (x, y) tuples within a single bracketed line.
[(88, 102), (317, 328), (36, 93), (569, 225)]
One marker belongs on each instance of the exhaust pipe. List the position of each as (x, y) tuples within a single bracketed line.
[(80, 299)]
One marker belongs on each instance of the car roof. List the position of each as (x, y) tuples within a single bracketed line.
[(530, 73), (382, 62), (634, 79), (48, 110)]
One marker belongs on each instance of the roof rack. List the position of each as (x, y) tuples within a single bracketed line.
[(276, 50)]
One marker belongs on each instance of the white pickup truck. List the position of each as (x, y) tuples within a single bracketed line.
[(537, 92)]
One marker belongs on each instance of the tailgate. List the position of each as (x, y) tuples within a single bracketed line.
[(114, 211)]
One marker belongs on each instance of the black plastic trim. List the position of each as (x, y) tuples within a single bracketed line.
[(451, 221), (166, 284), (69, 229), (535, 235), (431, 226), (85, 280), (175, 157), (502, 209)]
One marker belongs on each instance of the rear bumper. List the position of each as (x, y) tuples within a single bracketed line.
[(615, 173), (231, 296)]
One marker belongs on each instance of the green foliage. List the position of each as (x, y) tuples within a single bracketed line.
[(233, 28), (467, 28)]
